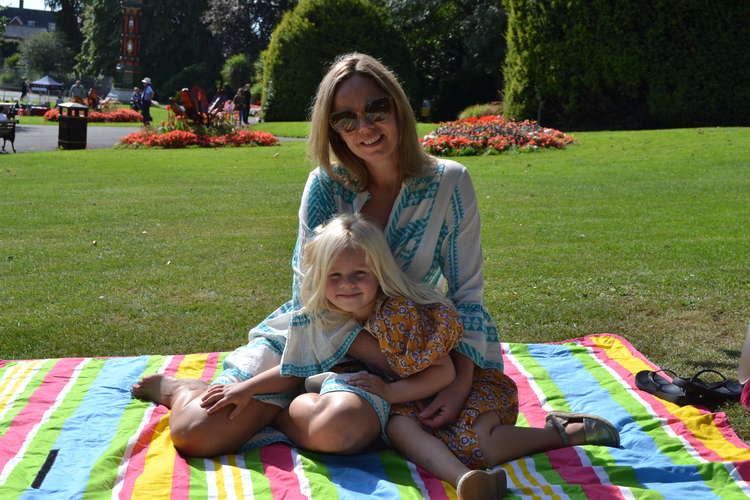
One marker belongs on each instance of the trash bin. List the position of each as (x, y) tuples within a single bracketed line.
[(74, 118)]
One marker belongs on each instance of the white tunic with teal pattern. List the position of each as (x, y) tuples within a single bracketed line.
[(433, 232)]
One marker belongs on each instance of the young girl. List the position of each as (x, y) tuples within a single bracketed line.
[(351, 273)]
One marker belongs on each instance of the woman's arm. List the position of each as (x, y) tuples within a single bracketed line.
[(413, 388)]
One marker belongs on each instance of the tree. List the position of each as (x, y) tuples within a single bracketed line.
[(244, 26), (458, 49), (46, 54), (100, 50), (173, 39), (68, 17), (311, 36), (238, 70)]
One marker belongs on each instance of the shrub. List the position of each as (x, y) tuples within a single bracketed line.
[(637, 64), (491, 135), (477, 110), (237, 70), (120, 115), (310, 37)]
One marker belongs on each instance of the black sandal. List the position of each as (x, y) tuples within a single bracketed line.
[(712, 393), (653, 383)]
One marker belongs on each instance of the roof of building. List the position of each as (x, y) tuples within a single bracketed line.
[(23, 23)]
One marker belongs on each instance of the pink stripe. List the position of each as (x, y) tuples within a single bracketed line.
[(181, 474), (138, 453), (39, 402), (565, 461), (433, 485), (279, 469), (656, 405)]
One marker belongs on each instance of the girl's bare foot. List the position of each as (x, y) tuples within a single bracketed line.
[(161, 388)]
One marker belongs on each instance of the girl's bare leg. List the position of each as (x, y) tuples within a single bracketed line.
[(194, 432), (425, 450), (502, 443), (336, 422)]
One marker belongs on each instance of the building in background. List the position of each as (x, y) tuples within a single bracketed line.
[(25, 23)]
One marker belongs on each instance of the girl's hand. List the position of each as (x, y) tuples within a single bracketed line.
[(218, 396), (370, 383)]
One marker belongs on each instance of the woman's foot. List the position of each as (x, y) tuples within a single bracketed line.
[(582, 428), (161, 388), (482, 485)]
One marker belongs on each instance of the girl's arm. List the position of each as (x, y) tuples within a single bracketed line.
[(447, 405), (218, 396), (413, 388)]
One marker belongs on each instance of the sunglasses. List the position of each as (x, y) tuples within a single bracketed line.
[(376, 110)]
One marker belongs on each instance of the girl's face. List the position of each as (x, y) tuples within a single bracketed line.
[(375, 139), (350, 285)]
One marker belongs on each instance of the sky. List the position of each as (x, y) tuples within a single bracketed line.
[(27, 4)]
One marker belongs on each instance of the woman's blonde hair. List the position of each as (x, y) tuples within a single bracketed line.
[(354, 231), (324, 142)]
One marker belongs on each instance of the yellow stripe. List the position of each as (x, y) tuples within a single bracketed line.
[(533, 480), (700, 424), (450, 491), (27, 370), (156, 480), (221, 489), (528, 492), (236, 476)]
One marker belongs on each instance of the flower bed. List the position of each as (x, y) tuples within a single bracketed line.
[(183, 138), (120, 115), (491, 135)]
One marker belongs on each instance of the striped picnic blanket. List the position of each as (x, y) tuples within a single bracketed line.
[(69, 429)]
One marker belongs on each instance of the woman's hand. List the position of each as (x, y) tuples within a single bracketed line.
[(370, 383), (445, 407), (218, 396)]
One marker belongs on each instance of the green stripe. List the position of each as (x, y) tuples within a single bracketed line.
[(717, 478), (261, 484), (542, 378), (319, 476), (104, 472), (20, 401), (48, 433), (398, 473)]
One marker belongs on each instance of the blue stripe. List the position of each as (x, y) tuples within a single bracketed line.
[(88, 433), (655, 470), (360, 477)]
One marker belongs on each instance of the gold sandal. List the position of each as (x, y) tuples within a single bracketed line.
[(596, 430), (482, 485)]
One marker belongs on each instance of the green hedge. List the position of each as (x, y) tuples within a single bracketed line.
[(310, 37), (628, 64)]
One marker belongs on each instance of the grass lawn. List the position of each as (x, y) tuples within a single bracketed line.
[(302, 129), (121, 252)]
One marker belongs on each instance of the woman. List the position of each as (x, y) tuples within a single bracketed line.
[(428, 211)]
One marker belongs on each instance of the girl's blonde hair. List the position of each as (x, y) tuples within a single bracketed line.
[(324, 142), (353, 231)]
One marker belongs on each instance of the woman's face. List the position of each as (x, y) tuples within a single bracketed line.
[(375, 142)]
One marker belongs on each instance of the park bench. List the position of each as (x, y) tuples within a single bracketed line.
[(8, 133)]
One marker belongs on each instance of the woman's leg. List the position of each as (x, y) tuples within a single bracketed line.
[(335, 422), (194, 432)]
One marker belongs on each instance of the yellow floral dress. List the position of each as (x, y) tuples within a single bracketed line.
[(412, 337)]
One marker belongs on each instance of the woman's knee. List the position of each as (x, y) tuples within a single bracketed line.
[(343, 423)]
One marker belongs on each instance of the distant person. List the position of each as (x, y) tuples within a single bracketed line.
[(135, 99), (242, 103), (24, 89), (146, 97), (77, 92)]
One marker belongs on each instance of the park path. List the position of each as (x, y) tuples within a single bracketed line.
[(31, 138)]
